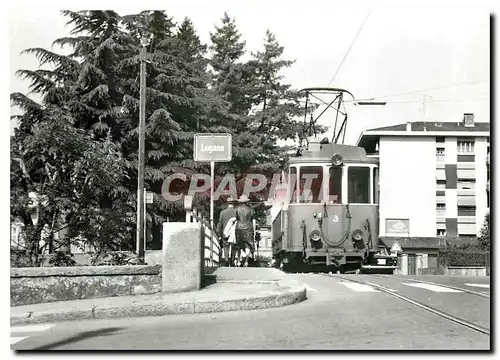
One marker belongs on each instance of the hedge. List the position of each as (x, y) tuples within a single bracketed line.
[(454, 257)]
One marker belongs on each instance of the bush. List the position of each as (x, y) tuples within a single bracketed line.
[(61, 258), (458, 257), (117, 258), (19, 258), (261, 261)]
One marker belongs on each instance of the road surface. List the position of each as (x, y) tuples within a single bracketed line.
[(337, 315)]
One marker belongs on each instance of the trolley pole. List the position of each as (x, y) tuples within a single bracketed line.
[(140, 177)]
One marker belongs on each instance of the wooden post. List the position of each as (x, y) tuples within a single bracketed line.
[(140, 182)]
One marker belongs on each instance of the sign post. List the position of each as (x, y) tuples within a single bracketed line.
[(212, 186), (148, 199), (212, 148)]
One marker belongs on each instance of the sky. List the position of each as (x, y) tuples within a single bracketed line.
[(443, 51)]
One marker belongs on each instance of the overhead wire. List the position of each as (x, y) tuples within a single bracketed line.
[(434, 101), (371, 98), (350, 47)]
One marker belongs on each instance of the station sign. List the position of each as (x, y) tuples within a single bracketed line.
[(213, 147)]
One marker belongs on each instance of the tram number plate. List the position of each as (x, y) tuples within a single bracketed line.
[(381, 261), (336, 256), (336, 252)]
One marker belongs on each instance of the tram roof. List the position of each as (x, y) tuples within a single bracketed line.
[(349, 153)]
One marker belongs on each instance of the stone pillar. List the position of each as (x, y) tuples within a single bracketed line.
[(404, 264), (182, 266), (425, 261), (418, 264)]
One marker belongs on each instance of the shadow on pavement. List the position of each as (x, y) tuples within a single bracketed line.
[(78, 337)]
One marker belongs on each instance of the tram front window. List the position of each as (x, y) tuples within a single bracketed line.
[(309, 190), (335, 186), (358, 179)]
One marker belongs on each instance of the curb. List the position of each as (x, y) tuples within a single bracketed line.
[(288, 293)]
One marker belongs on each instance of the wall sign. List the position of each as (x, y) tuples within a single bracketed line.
[(397, 226)]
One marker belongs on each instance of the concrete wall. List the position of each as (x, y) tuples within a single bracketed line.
[(408, 183), (41, 285), (465, 271)]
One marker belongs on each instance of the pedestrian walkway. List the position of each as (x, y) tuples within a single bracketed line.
[(238, 289)]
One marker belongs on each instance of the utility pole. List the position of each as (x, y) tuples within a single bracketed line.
[(140, 177)]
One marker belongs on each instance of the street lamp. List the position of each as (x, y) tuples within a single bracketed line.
[(140, 177), (368, 103)]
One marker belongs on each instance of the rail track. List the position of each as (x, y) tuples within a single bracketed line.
[(428, 308), (433, 283)]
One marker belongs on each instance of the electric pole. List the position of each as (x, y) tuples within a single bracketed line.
[(140, 177)]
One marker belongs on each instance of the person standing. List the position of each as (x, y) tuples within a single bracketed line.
[(244, 229), (226, 229)]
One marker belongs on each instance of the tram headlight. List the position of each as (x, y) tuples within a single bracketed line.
[(337, 160), (315, 235), (357, 235)]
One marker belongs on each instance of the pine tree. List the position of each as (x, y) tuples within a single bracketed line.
[(484, 236), (233, 79), (280, 110)]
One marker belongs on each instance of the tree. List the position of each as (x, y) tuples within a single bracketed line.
[(280, 111), (74, 174), (484, 236), (96, 89), (232, 80)]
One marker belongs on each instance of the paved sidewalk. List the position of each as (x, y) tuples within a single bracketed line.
[(230, 293)]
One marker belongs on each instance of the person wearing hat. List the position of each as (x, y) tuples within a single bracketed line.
[(244, 229), (226, 229)]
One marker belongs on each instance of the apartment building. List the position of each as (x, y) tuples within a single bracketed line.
[(434, 177)]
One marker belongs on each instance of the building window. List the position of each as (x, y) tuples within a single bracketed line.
[(440, 206), (440, 184), (441, 232), (439, 151), (466, 210), (465, 147), (440, 139)]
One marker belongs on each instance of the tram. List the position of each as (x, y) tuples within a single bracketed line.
[(328, 217)]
